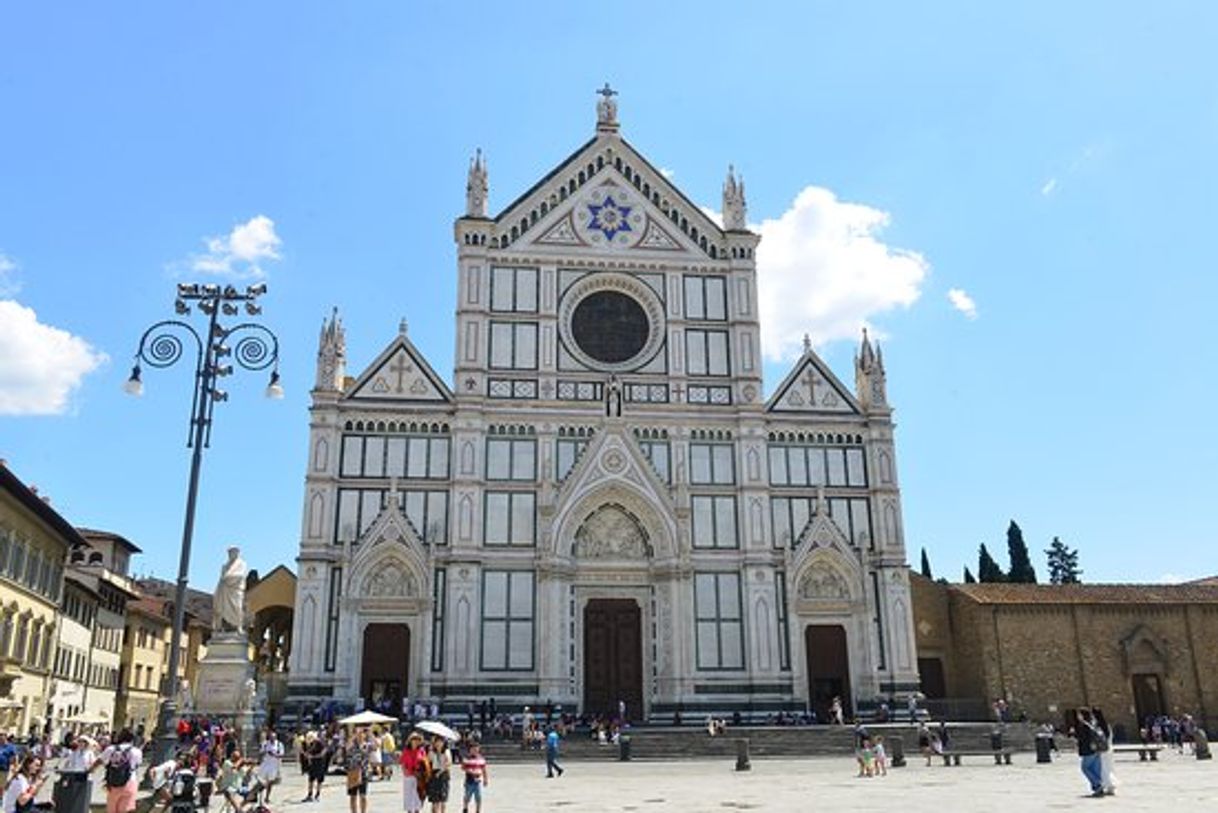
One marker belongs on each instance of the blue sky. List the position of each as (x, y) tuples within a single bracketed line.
[(1054, 161)]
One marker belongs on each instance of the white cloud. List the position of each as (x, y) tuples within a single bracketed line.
[(240, 253), (40, 365), (962, 302), (823, 270), (1172, 578), (1050, 186), (9, 285), (667, 173)]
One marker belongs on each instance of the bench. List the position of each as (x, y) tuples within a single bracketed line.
[(1144, 752), (1000, 757)]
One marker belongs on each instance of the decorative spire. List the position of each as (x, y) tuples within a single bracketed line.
[(870, 382), (866, 355), (476, 187), (402, 327), (807, 344), (606, 110), (331, 354), (734, 207)]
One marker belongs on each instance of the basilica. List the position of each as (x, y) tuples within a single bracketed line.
[(601, 506)]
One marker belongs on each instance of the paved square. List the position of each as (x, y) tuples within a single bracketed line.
[(1174, 783)]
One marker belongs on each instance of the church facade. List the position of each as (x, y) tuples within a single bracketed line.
[(600, 506)]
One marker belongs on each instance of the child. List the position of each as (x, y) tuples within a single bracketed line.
[(881, 757), (866, 758), (476, 777)]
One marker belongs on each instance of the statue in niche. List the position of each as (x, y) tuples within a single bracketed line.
[(613, 398), (611, 533)]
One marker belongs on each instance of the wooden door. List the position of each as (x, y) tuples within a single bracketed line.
[(1147, 697), (385, 669), (930, 673), (828, 669), (613, 657)]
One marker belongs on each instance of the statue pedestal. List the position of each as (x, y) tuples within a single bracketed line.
[(222, 687)]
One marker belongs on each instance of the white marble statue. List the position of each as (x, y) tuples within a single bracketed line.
[(228, 604)]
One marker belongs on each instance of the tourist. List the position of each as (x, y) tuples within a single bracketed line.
[(375, 755), (269, 767), (473, 764), (415, 770), (1104, 748), (865, 756), (230, 779), (316, 760), (356, 766), (835, 712), (8, 754), (1085, 735), (120, 761), (912, 705), (80, 758), (441, 763), (552, 765), (881, 756), (389, 747), (924, 741), (21, 790)]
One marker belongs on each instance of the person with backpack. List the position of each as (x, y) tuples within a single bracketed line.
[(21, 790), (120, 761)]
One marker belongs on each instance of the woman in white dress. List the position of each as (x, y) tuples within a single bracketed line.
[(1107, 780)]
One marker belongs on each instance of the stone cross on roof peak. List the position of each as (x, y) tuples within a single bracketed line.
[(606, 109)]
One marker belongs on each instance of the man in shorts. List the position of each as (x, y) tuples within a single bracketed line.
[(476, 776), (357, 772)]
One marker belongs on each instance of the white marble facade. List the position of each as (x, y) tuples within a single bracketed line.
[(602, 447)]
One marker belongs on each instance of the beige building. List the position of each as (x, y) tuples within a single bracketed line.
[(1133, 650), (144, 660), (269, 602), (34, 545)]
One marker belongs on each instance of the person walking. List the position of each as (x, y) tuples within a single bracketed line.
[(271, 764), (1104, 749), (552, 765), (356, 766), (415, 769), (316, 760), (120, 761), (473, 765), (21, 790), (441, 761), (1084, 732)]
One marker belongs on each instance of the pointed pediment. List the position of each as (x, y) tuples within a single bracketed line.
[(822, 532), (811, 387), (400, 373), (391, 562), (606, 195)]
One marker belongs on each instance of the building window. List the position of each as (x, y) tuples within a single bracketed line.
[(427, 511), (332, 609), (657, 452), (712, 464), (414, 457), (568, 451), (439, 597), (509, 517), (784, 626), (507, 621), (513, 346), (705, 298), (790, 515), (717, 618), (511, 459), (879, 619), (714, 521), (706, 352), (514, 290), (817, 465)]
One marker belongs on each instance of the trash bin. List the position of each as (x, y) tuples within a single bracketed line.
[(205, 786), (1201, 744), (623, 747), (72, 792), (896, 751), (1044, 748), (742, 755)]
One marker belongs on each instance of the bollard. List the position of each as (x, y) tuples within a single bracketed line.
[(896, 748), (623, 747), (1201, 744), (742, 755), (1044, 748), (72, 792)]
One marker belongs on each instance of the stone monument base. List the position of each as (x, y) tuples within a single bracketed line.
[(222, 688)]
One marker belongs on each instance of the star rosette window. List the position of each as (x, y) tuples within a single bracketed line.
[(611, 217)]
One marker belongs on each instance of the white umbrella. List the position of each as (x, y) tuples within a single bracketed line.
[(439, 729), (367, 718)]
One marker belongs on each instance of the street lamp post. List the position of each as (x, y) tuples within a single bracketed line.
[(251, 346)]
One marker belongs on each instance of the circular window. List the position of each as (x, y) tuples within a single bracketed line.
[(611, 322), (610, 327)]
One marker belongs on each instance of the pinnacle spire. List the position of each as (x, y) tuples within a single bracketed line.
[(734, 207), (476, 186)]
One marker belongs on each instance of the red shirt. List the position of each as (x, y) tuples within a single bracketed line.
[(411, 759), (474, 766)]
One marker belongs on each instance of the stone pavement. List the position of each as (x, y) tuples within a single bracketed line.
[(822, 783)]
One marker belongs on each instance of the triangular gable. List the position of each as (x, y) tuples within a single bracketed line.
[(400, 373), (811, 387), (613, 453), (541, 214)]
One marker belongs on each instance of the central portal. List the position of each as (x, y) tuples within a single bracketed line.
[(386, 666), (613, 657)]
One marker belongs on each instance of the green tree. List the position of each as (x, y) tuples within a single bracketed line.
[(968, 576), (926, 565), (987, 569), (1063, 563), (1021, 571)]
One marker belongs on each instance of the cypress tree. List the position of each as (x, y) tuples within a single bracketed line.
[(1021, 571), (988, 570), (926, 565), (968, 576), (1063, 563)]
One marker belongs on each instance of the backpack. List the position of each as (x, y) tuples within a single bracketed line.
[(118, 769)]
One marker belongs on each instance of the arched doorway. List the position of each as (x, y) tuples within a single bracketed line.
[(613, 657), (385, 666), (828, 668)]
